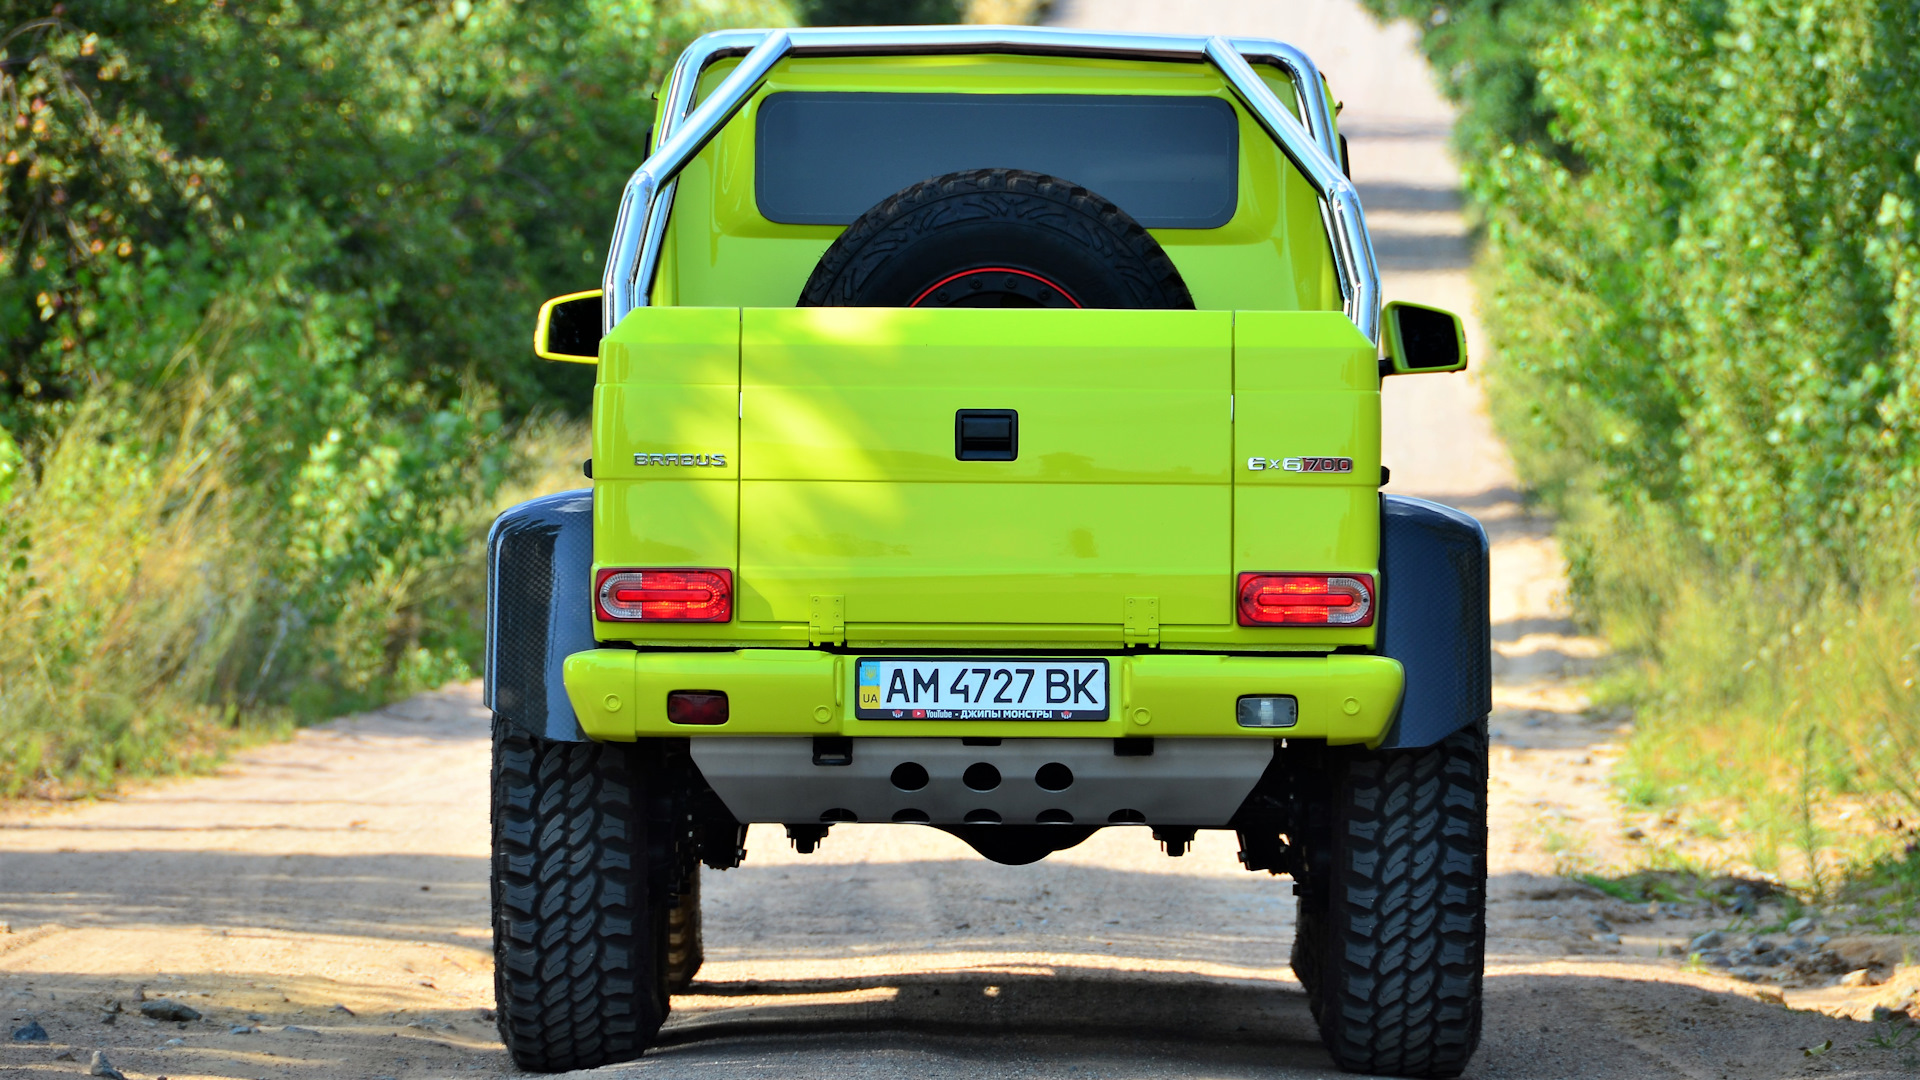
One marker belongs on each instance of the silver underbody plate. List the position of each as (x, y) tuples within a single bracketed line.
[(1198, 782)]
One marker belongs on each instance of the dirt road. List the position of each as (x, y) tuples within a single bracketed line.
[(323, 907), (322, 903)]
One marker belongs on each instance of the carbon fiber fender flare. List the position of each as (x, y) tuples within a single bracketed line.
[(1435, 618), (539, 611)]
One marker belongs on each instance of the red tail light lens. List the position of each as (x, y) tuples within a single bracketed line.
[(1306, 600), (697, 707), (663, 595)]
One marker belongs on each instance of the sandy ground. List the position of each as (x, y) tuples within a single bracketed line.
[(322, 903)]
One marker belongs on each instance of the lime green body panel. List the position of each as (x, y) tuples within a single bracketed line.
[(668, 382), (1304, 381), (1273, 254), (1105, 397), (851, 484), (620, 695), (811, 451), (1123, 521)]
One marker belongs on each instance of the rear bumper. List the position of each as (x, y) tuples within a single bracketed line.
[(621, 694)]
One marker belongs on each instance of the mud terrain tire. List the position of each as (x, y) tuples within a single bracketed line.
[(1394, 938), (579, 957), (1309, 948), (686, 950), (995, 238)]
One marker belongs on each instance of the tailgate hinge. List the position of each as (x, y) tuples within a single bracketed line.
[(1143, 621), (827, 624)]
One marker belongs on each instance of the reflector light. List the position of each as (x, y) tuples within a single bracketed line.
[(663, 595), (697, 707), (1306, 600), (1267, 711)]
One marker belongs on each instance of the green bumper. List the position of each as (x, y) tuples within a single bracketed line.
[(620, 695)]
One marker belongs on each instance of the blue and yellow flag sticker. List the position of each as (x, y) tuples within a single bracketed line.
[(869, 685)]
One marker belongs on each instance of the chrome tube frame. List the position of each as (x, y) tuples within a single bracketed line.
[(1310, 143)]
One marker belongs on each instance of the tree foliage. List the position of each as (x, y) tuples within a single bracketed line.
[(1704, 257), (879, 12), (321, 232), (445, 164), (1701, 276)]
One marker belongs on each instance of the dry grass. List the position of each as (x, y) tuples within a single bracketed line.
[(1005, 12), (1777, 721), (129, 571)]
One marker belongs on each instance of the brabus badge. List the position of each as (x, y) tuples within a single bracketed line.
[(698, 460), (1302, 464)]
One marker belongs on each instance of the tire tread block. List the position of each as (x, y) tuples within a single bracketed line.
[(574, 974), (1394, 971)]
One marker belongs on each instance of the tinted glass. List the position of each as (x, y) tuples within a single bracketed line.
[(1428, 338), (573, 328), (827, 158)]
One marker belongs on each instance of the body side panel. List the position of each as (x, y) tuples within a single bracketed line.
[(1306, 384)]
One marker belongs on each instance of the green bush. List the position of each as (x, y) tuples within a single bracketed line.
[(1705, 261), (879, 12), (266, 293), (1700, 272)]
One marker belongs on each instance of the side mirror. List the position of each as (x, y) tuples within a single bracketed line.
[(1421, 339), (569, 328)]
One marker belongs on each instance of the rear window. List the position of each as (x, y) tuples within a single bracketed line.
[(826, 158)]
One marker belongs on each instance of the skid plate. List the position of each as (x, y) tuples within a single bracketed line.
[(1198, 782)]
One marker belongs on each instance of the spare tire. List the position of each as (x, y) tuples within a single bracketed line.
[(995, 238)]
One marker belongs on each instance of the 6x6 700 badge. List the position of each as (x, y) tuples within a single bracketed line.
[(1302, 464)]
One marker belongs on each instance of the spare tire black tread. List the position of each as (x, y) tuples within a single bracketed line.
[(1033, 198), (1399, 977), (577, 978)]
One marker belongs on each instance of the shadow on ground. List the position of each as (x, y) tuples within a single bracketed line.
[(1114, 1023), (1073, 1021), (406, 897), (1060, 1001)]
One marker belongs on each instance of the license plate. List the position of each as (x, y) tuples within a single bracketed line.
[(921, 688)]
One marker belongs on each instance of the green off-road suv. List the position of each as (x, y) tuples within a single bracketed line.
[(987, 439)]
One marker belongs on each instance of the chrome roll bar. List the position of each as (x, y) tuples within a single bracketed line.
[(1309, 143)]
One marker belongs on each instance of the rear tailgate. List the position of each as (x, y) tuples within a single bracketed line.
[(852, 487)]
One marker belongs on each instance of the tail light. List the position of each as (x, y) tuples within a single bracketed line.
[(697, 707), (1306, 600), (663, 595)]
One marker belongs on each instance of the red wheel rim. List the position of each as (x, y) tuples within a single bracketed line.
[(951, 278)]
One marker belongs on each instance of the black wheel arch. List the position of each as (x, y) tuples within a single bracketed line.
[(1435, 618), (539, 611)]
